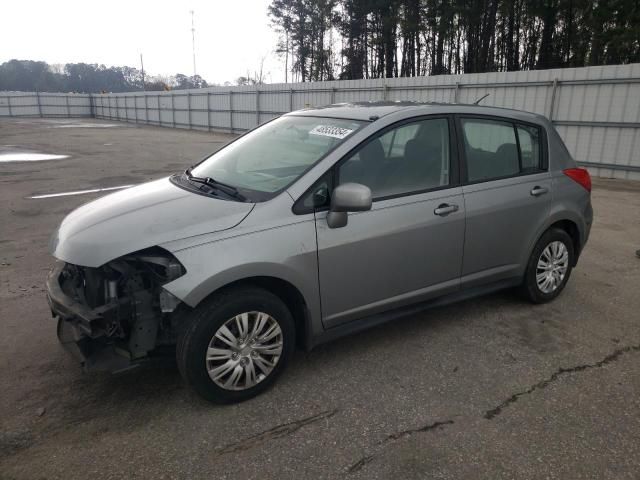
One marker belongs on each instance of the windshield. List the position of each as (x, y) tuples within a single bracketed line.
[(274, 155)]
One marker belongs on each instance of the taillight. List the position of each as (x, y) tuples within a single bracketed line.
[(580, 175)]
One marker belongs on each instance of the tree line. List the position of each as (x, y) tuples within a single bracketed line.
[(33, 76), (353, 39)]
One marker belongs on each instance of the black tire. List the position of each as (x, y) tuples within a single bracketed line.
[(529, 288), (205, 320)]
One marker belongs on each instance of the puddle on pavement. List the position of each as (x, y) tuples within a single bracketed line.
[(29, 157)]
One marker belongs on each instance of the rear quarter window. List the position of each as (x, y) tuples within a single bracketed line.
[(500, 149)]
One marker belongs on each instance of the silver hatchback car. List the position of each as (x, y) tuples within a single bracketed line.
[(314, 225)]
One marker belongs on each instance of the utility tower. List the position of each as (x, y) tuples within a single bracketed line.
[(193, 41)]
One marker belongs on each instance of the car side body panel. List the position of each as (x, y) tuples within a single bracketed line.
[(398, 252), (502, 217)]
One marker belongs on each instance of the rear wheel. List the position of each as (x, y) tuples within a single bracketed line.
[(549, 266), (236, 344)]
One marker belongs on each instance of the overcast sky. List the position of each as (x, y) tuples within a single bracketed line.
[(231, 35)]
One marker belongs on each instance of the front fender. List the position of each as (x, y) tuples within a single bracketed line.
[(287, 253)]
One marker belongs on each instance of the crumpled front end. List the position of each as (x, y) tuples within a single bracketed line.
[(116, 316)]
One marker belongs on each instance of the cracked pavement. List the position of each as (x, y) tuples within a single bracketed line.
[(488, 388)]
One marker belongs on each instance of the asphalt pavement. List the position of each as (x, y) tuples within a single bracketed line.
[(489, 388)]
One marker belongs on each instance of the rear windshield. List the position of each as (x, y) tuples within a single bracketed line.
[(276, 154)]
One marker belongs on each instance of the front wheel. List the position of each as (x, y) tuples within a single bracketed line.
[(549, 266), (236, 344)]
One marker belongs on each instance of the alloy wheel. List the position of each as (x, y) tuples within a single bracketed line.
[(244, 350), (552, 267)]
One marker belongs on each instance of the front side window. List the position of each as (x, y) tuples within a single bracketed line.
[(276, 154), (410, 158), (496, 149)]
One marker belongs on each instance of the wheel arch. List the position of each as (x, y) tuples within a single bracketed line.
[(570, 226), (572, 230), (290, 295), (301, 307)]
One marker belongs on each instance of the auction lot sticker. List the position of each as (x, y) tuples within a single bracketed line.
[(330, 131)]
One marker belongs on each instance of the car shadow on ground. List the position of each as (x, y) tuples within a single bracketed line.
[(101, 402)]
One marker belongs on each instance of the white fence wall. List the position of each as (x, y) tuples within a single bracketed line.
[(596, 109), (19, 104)]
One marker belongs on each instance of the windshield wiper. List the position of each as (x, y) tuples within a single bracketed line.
[(216, 185)]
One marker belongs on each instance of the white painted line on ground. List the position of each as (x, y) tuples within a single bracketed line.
[(87, 125), (29, 157), (81, 192)]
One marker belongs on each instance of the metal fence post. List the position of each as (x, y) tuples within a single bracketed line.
[(257, 106), (208, 112), (333, 95), (173, 112), (231, 111), (291, 100), (39, 106), (159, 112), (66, 100), (91, 108), (553, 98), (146, 108), (189, 109), (456, 94), (385, 95), (9, 105), (135, 107)]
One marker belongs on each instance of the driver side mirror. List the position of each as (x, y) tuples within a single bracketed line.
[(348, 197)]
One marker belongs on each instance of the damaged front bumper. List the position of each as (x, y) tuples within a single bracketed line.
[(117, 316), (82, 331)]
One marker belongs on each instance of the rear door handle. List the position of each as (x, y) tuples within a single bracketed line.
[(537, 191), (445, 209)]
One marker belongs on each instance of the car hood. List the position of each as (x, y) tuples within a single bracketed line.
[(140, 217)]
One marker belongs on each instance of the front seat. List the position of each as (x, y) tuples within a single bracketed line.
[(367, 170), (423, 158)]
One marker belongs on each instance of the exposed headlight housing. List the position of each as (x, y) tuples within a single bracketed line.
[(158, 261)]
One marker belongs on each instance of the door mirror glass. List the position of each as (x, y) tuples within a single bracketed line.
[(348, 197)]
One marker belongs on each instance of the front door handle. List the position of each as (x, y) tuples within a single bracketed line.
[(445, 209), (537, 191)]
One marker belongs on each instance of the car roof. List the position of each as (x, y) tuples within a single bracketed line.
[(369, 111)]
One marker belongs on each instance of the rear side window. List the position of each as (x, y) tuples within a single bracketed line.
[(496, 149), (529, 138)]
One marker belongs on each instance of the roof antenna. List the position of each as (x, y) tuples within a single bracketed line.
[(481, 98)]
